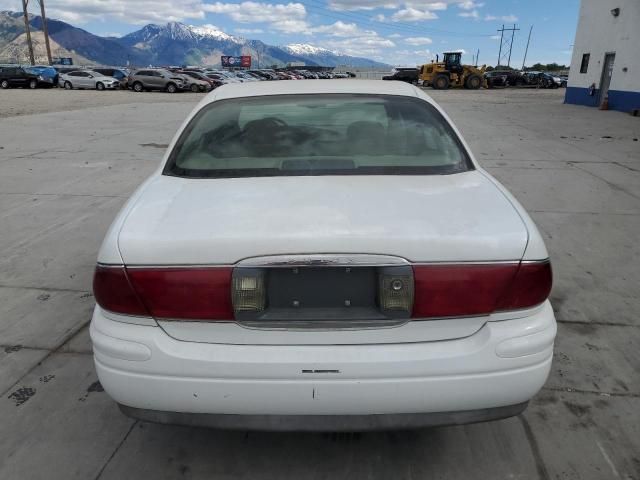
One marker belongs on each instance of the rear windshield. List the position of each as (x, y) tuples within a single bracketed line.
[(287, 135)]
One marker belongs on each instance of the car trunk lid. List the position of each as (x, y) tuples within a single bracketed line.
[(228, 222)]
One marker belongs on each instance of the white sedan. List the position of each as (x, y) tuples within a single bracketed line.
[(88, 79), (322, 257)]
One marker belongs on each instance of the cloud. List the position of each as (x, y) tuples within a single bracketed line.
[(363, 46), (351, 5), (145, 11), (504, 18), (470, 14), (470, 5), (249, 30), (342, 29), (361, 4), (249, 12), (395, 35), (418, 41), (411, 14), (287, 18)]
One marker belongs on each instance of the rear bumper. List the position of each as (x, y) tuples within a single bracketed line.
[(499, 367), (325, 423)]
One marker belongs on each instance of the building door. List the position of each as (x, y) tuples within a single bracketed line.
[(605, 80)]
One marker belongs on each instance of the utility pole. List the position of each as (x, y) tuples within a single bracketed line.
[(527, 49), (513, 34), (28, 31), (501, 40), (477, 57), (45, 30), (504, 43)]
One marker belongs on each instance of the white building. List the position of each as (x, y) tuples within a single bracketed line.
[(606, 55)]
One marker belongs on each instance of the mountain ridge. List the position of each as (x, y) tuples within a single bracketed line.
[(174, 43)]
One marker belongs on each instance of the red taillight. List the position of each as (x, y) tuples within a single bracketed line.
[(185, 293), (479, 289), (531, 286), (113, 291), (173, 293)]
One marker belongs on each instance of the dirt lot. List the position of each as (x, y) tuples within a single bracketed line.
[(28, 102), (68, 160)]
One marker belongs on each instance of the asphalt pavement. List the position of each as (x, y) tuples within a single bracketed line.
[(65, 174)]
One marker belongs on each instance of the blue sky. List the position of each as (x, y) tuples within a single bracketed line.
[(395, 31)]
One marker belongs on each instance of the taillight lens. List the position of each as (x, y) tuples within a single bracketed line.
[(171, 293), (113, 291), (185, 293), (479, 289), (531, 286)]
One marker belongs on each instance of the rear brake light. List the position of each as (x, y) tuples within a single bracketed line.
[(185, 293), (171, 293), (479, 289), (113, 291), (531, 286)]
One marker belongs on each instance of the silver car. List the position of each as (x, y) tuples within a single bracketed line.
[(87, 79)]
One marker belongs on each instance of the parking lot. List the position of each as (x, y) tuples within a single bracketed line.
[(69, 160)]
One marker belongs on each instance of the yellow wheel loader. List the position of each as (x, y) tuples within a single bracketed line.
[(451, 73)]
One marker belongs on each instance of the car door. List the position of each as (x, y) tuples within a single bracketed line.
[(90, 80), (159, 80), (86, 79), (18, 77), (148, 79)]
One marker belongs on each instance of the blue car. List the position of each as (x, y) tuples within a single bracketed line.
[(47, 76)]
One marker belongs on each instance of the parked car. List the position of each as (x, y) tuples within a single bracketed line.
[(199, 76), (15, 76), (194, 84), (543, 80), (511, 78), (245, 76), (322, 257), (88, 79), (409, 75), (496, 79), (119, 74), (157, 79), (221, 79), (223, 75), (47, 75)]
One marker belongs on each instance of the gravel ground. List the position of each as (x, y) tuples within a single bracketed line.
[(28, 102), (20, 101)]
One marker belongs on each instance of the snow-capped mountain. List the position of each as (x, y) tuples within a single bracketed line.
[(306, 49), (323, 56), (176, 31), (209, 31), (174, 43)]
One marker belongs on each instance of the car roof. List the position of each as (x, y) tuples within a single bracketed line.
[(254, 89)]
